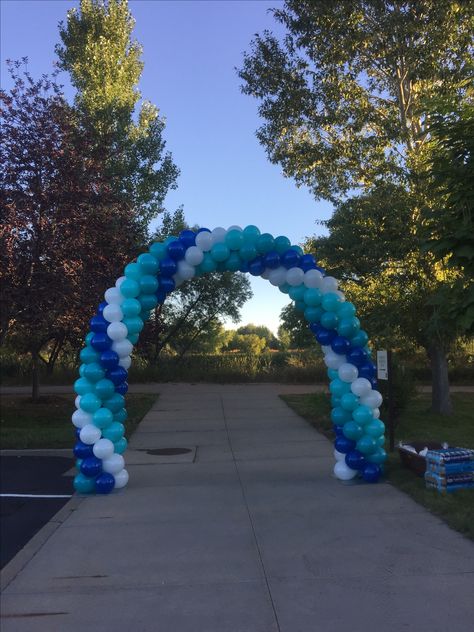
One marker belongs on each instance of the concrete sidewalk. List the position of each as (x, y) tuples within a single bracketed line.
[(247, 532)]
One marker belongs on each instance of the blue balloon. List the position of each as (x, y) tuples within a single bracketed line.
[(187, 238), (244, 267), (161, 296), (367, 370), (357, 356), (176, 250), (77, 433), (122, 388), (272, 259), (204, 230), (98, 324), (371, 472), (290, 259), (256, 266), (82, 450), (104, 483), (355, 460), (325, 336), (101, 342), (91, 466), (117, 375), (109, 359), (167, 284), (307, 263), (340, 344), (168, 267), (344, 445), (101, 307), (338, 430)]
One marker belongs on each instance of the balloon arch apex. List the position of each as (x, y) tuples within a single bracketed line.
[(115, 328)]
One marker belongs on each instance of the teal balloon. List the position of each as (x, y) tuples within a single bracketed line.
[(233, 263), (208, 264), (82, 369), (78, 463), (131, 307), (360, 339), (102, 418), (375, 428), (352, 430), (88, 338), (366, 445), (90, 403), (285, 288), (380, 441), (120, 446), (333, 374), (300, 306), (134, 324), (82, 386), (83, 485), (89, 355), (349, 401), (313, 297), (159, 250), (339, 416), (338, 387), (148, 263), (378, 457), (148, 284), (281, 244), (94, 372), (147, 302), (331, 302), (133, 271), (130, 288), (335, 401), (329, 320), (133, 338), (169, 239), (220, 252), (251, 233), (347, 310), (313, 314), (264, 243), (362, 415), (298, 249), (104, 389), (348, 326), (121, 415), (234, 239), (114, 432), (248, 251), (297, 293), (115, 403)]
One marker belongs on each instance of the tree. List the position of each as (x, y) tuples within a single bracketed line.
[(105, 67), (247, 343), (59, 245), (294, 328), (262, 332), (344, 100)]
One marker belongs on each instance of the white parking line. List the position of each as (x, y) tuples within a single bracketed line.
[(35, 495)]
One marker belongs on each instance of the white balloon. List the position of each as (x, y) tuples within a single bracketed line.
[(277, 276), (113, 464), (122, 347), (266, 274), (103, 449), (178, 280), (204, 241), (218, 235), (348, 372), (77, 402), (113, 296), (329, 284), (361, 386), (90, 434), (112, 313), (376, 413), (313, 278), (125, 362), (119, 281), (334, 360), (194, 255), (372, 399), (295, 276), (326, 349), (341, 295), (185, 270), (80, 418), (117, 331), (121, 479), (339, 456), (343, 472)]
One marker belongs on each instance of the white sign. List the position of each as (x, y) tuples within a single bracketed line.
[(382, 365)]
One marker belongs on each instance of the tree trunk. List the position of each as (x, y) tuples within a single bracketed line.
[(440, 396), (35, 376)]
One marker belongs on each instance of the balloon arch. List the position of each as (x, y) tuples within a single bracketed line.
[(102, 385)]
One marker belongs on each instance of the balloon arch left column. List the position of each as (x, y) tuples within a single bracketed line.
[(114, 330)]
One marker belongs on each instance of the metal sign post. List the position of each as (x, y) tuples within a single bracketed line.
[(384, 372)]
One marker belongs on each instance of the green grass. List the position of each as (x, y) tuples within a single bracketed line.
[(47, 424), (417, 423)]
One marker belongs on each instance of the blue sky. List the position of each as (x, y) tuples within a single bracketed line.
[(191, 49)]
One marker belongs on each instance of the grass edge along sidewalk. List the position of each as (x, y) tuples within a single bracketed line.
[(416, 423), (47, 424)]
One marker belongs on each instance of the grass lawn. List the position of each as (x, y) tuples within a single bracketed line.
[(47, 424), (417, 423)]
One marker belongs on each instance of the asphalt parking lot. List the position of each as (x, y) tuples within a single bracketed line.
[(26, 483)]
